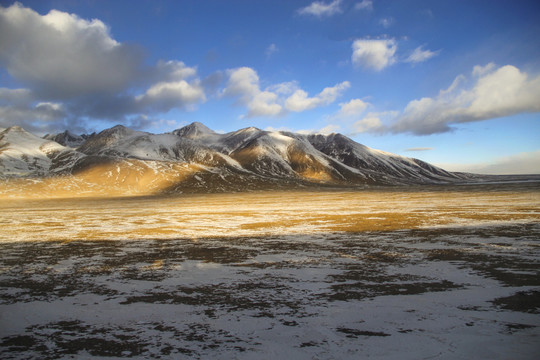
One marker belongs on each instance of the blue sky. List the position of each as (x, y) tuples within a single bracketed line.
[(454, 83)]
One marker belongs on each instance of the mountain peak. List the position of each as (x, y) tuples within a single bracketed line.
[(70, 134), (120, 130), (249, 129), (118, 127), (194, 130), (199, 125), (16, 129), (66, 138), (249, 155)]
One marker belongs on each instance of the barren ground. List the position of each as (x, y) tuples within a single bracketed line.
[(432, 273)]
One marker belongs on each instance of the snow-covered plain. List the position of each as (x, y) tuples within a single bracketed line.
[(427, 273)]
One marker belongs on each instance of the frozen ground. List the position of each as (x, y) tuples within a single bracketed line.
[(438, 274)]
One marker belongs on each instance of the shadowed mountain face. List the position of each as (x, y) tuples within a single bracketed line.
[(197, 157), (67, 138)]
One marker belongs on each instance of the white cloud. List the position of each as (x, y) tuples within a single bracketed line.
[(300, 101), (328, 129), (264, 104), (281, 128), (243, 84), (370, 123), (17, 106), (286, 88), (386, 22), (374, 122), (504, 92), (320, 9), (480, 70), (172, 70), (489, 92), (349, 115), (374, 54), (271, 49), (353, 108), (378, 54), (522, 163), (42, 117), (420, 55), (496, 92), (172, 89), (164, 96), (419, 149), (170, 124), (364, 5)]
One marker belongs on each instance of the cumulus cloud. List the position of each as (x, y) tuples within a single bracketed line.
[(39, 117), (176, 86), (353, 108), (60, 55), (17, 106), (166, 95), (374, 54), (321, 9), (72, 68), (495, 93), (350, 112), (172, 70), (489, 92), (370, 123), (300, 101), (244, 85), (420, 55), (264, 104), (377, 54)]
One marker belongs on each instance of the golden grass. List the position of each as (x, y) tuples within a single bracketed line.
[(260, 213), (123, 178)]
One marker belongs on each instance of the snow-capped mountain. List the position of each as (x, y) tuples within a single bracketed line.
[(196, 157), (359, 156), (23, 154)]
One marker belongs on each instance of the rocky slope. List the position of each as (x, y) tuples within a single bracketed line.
[(195, 158), (67, 138)]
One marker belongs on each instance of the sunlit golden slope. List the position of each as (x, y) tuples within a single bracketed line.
[(111, 178)]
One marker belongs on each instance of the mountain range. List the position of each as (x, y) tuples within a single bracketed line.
[(195, 158)]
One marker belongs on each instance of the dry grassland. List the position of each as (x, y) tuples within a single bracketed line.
[(266, 213), (431, 272)]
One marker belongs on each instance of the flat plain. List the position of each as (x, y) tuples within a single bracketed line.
[(438, 272)]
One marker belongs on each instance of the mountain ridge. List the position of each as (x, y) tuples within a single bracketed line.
[(195, 158)]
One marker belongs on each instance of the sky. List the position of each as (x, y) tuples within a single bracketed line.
[(454, 83)]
